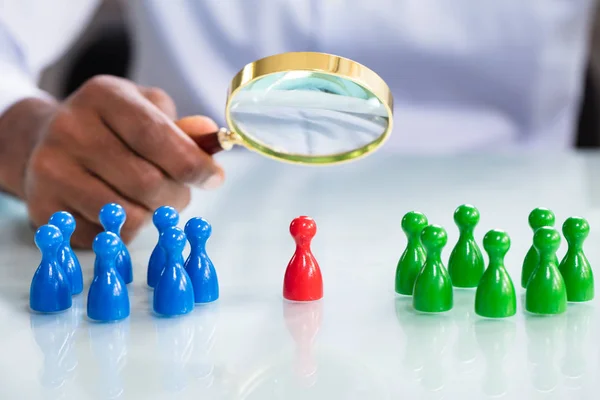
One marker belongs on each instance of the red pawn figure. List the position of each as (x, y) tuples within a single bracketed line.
[(303, 280)]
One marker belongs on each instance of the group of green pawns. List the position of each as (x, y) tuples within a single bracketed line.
[(549, 284)]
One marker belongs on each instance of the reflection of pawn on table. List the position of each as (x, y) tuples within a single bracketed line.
[(433, 287), (50, 289), (108, 343), (495, 296), (198, 265), (175, 343), (74, 317), (412, 359), (465, 347), (495, 339), (108, 298), (205, 325), (303, 280), (426, 341), (575, 267), (303, 321), (53, 335), (538, 218), (543, 345), (432, 341), (465, 265), (67, 259), (573, 364), (112, 217), (163, 218), (174, 293), (546, 292), (413, 257)]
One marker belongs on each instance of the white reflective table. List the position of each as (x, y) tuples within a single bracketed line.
[(360, 341)]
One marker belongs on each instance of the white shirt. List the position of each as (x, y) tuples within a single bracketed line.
[(465, 74)]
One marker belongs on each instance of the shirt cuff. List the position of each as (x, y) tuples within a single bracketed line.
[(16, 85)]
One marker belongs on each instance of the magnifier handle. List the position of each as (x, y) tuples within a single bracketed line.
[(209, 142)]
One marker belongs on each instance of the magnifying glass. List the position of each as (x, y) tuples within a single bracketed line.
[(305, 107)]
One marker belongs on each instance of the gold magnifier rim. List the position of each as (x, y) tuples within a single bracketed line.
[(314, 62)]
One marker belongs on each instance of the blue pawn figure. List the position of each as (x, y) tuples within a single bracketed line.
[(112, 218), (50, 288), (67, 259), (174, 293), (198, 265), (108, 299), (163, 218)]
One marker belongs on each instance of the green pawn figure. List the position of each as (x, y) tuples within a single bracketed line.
[(537, 218), (575, 267), (495, 296), (546, 292), (413, 257), (466, 264), (433, 287)]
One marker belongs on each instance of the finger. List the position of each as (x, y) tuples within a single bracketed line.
[(150, 133), (41, 206), (160, 99), (85, 232), (137, 180), (61, 178), (203, 132)]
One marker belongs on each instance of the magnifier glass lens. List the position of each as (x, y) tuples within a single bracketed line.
[(308, 113)]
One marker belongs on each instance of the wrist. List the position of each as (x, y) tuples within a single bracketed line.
[(20, 129)]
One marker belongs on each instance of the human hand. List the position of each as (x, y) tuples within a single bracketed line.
[(111, 141)]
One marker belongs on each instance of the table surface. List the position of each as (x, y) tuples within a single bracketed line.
[(360, 341)]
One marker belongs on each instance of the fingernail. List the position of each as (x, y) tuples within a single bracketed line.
[(213, 182)]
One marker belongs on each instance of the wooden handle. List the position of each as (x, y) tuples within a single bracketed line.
[(209, 142)]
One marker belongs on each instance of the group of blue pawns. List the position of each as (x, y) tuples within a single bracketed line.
[(177, 285)]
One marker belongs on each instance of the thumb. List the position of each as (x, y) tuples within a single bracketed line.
[(203, 131), (197, 125)]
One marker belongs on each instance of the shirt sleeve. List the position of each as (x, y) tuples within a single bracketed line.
[(34, 34)]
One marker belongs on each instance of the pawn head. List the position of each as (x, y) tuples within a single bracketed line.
[(165, 217), (48, 238), (546, 239), (413, 223), (541, 217), (466, 216), (434, 237), (63, 221), (496, 242), (576, 229), (112, 217), (172, 239), (303, 228), (198, 230), (106, 244)]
